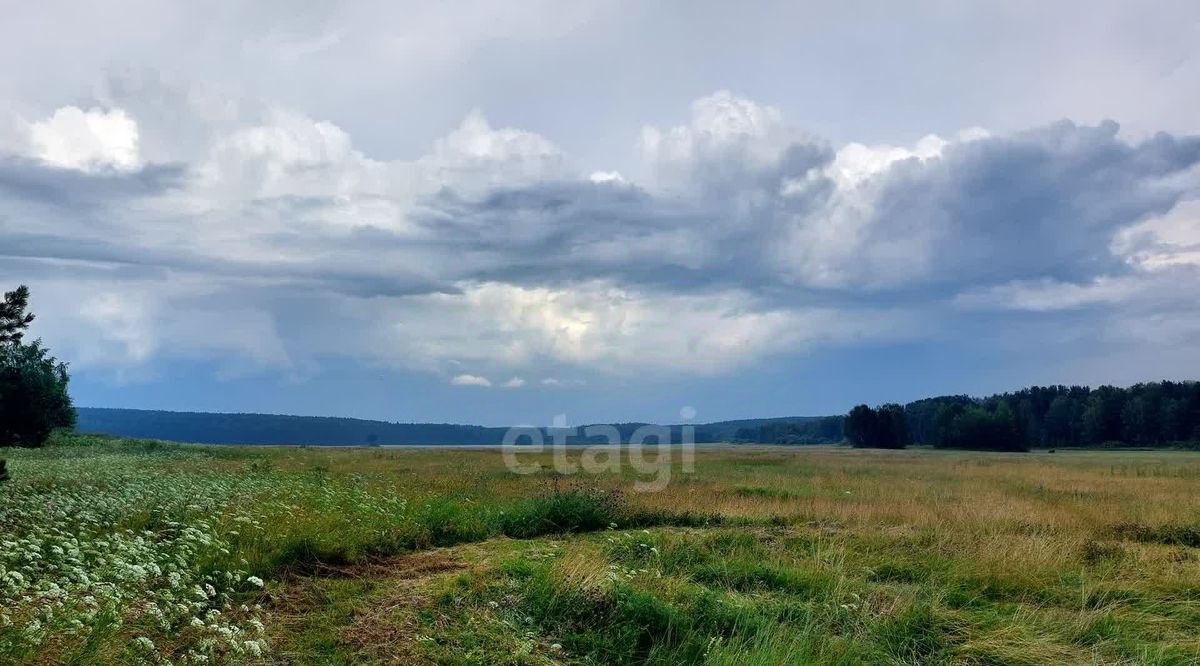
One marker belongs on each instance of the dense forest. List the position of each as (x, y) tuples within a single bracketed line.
[(1151, 414), (213, 428), (216, 428), (800, 430)]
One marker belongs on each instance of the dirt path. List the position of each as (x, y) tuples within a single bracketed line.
[(363, 613)]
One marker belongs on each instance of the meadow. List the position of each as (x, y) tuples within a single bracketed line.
[(127, 551)]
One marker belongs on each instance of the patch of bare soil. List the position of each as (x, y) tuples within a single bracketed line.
[(382, 628), (385, 629), (412, 566)]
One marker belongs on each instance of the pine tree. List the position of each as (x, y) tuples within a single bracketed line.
[(13, 319)]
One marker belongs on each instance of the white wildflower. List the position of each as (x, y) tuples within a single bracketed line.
[(144, 643)]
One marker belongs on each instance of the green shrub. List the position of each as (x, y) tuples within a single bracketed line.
[(33, 395), (573, 510)]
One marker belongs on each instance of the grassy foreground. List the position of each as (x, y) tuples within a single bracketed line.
[(120, 551)]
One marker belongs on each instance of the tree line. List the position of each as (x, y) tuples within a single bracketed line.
[(806, 430), (220, 428), (1148, 414)]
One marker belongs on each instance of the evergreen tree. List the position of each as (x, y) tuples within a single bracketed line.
[(13, 319)]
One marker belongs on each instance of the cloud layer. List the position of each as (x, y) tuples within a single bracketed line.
[(154, 224)]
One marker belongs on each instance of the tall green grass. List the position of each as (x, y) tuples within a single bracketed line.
[(250, 515)]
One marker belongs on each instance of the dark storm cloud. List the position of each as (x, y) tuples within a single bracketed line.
[(565, 231), (1040, 204), (67, 222), (32, 181), (84, 257), (1043, 203)]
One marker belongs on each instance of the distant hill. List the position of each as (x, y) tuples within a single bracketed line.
[(219, 428)]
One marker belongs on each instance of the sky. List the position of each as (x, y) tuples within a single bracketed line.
[(496, 213)]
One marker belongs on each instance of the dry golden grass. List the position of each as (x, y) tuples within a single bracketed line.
[(1072, 557), (1011, 512)]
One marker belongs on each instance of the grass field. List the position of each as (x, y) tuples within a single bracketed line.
[(117, 551)]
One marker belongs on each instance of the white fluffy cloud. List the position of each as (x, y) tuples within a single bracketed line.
[(470, 380), (721, 124), (74, 138), (477, 156), (288, 155)]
